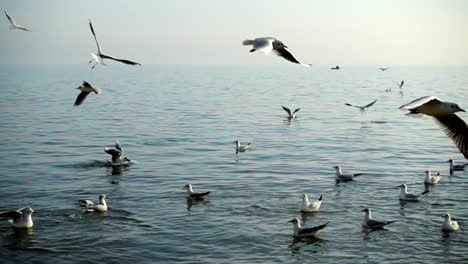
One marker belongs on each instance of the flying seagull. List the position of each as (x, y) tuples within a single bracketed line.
[(444, 113), (410, 197), (335, 68), (241, 148), (449, 223), (339, 176), (401, 84), (117, 154), (373, 223), (306, 231), (92, 207), (13, 24), (20, 218), (362, 108), (431, 179), (308, 207), (268, 44), (194, 195), (384, 69), (291, 115), (99, 57), (85, 89)]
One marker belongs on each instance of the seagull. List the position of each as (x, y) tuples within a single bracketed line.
[(456, 167), (13, 24), (305, 231), (86, 89), (117, 154), (449, 224), (308, 207), (99, 57), (372, 223), (431, 179), (20, 218), (401, 84), (384, 69), (241, 148), (335, 68), (194, 195), (444, 113), (291, 115), (268, 44), (405, 196), (339, 176), (363, 108), (92, 207)]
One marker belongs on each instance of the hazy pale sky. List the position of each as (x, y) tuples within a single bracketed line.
[(377, 32)]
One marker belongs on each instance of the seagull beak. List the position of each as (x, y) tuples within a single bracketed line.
[(462, 110)]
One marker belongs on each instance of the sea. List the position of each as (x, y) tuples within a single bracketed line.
[(177, 123)]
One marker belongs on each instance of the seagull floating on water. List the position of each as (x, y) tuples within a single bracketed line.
[(194, 195), (86, 89), (373, 223), (268, 44), (306, 231), (99, 57), (117, 154), (449, 223), (456, 167), (339, 176), (410, 197), (20, 218), (13, 24), (363, 108), (92, 207), (444, 113), (241, 148), (291, 115), (431, 179), (308, 207)]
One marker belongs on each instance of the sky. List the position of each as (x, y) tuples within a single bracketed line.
[(331, 32)]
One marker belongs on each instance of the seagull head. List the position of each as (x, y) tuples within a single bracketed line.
[(102, 197), (294, 221), (450, 161), (304, 196), (428, 172), (27, 211), (126, 159), (365, 210), (403, 186), (457, 108), (278, 45), (188, 186), (447, 216)]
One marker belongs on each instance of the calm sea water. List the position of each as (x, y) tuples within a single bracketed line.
[(179, 122)]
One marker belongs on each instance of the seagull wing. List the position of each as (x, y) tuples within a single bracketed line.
[(86, 84), (311, 230), (297, 110), (86, 202), (369, 105), (118, 146), (12, 22), (80, 98), (115, 153), (377, 223), (287, 110), (353, 105), (11, 214), (286, 54), (120, 60), (420, 101), (456, 129), (22, 28), (94, 34), (199, 195)]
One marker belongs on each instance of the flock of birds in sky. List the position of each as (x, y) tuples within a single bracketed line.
[(442, 112)]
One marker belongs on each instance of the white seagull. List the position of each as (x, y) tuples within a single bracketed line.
[(99, 57), (431, 179), (268, 44), (456, 167), (444, 113), (20, 218), (339, 176), (86, 89), (305, 231), (13, 24), (449, 223), (373, 223), (92, 207), (291, 115), (410, 197), (241, 148), (117, 154), (194, 195), (363, 108), (308, 207)]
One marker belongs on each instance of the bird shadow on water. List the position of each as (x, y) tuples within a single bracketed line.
[(195, 202), (298, 244), (366, 232)]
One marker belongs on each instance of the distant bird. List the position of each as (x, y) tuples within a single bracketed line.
[(449, 223), (308, 207), (306, 231), (401, 84), (290, 115), (373, 223), (335, 68), (268, 44), (20, 218), (410, 197), (444, 113), (99, 57), (92, 207), (86, 89), (117, 154), (456, 167), (384, 69), (13, 24), (431, 179), (363, 108), (339, 176), (194, 195), (241, 148)]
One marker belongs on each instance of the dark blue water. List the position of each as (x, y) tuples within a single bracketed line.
[(178, 123)]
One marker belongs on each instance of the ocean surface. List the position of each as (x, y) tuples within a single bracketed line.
[(179, 122)]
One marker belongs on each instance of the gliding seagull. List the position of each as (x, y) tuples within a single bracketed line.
[(290, 115), (20, 218), (362, 108), (85, 89), (99, 57), (13, 24)]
